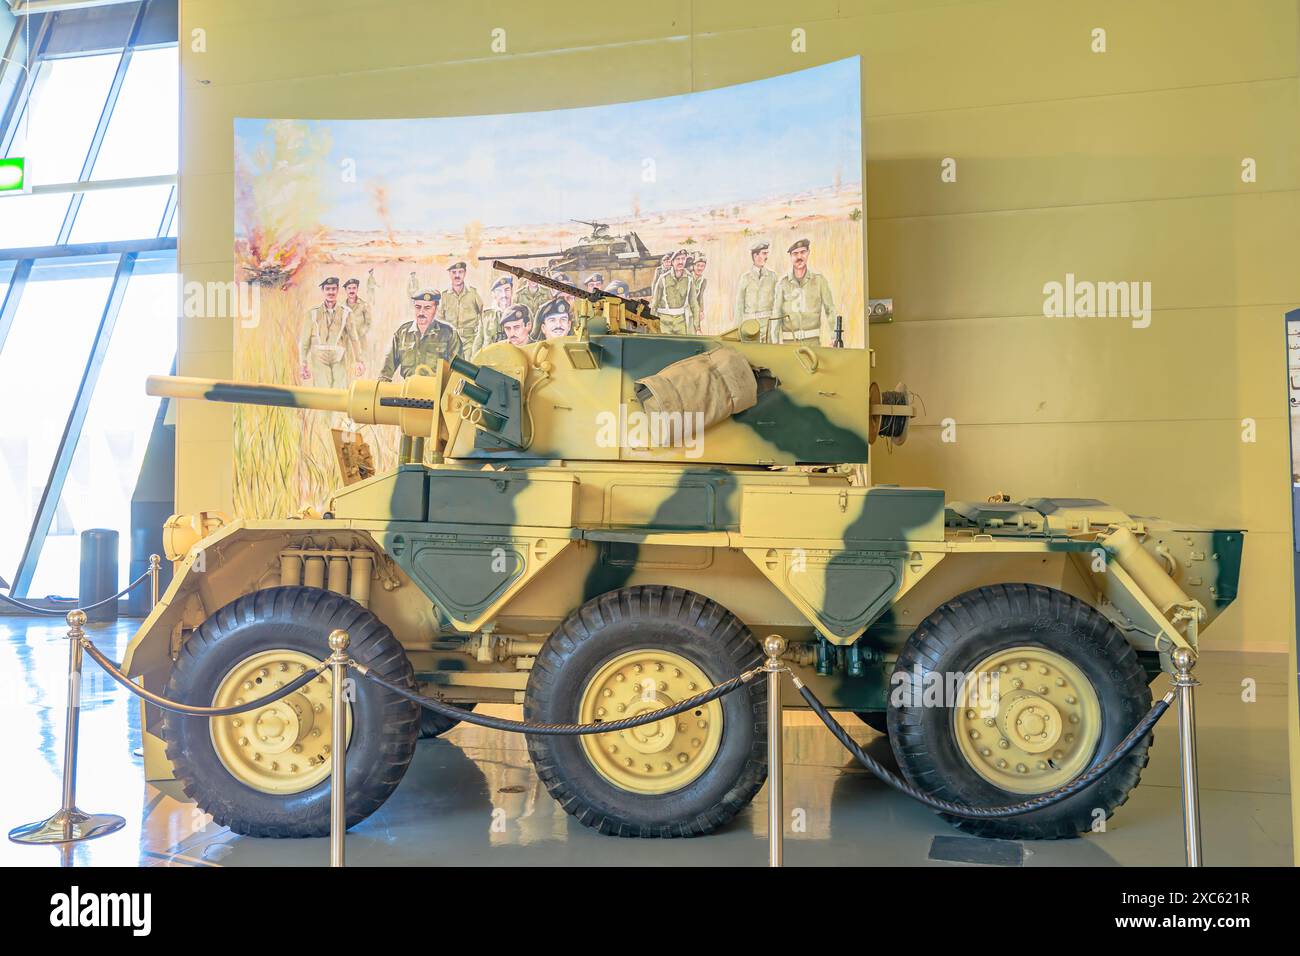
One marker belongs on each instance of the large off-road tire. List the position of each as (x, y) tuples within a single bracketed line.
[(258, 640), (1082, 689), (434, 724), (688, 774)]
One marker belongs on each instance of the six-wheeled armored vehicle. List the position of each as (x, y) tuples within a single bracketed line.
[(602, 525)]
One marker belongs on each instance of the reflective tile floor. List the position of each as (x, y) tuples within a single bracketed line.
[(446, 809)]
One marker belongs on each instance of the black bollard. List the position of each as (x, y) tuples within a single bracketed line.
[(98, 573)]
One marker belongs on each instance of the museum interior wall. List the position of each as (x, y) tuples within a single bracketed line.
[(1122, 166)]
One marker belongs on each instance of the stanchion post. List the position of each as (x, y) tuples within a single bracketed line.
[(338, 747), (774, 647), (1184, 659), (68, 824), (155, 575)]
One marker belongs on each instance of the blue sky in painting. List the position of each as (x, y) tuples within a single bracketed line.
[(768, 138)]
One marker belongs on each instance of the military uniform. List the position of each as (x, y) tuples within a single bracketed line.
[(534, 297), (698, 285), (327, 337), (671, 301), (754, 297), (463, 311), (411, 349), (799, 303), (360, 322)]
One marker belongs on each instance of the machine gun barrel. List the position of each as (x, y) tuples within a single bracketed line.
[(523, 255), (636, 307)]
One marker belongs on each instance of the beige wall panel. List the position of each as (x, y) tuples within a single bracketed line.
[(208, 332), (949, 57), (386, 36), (1196, 253), (1189, 363), (1160, 145), (1200, 472)]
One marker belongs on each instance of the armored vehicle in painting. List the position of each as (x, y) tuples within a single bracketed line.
[(602, 525), (623, 257)]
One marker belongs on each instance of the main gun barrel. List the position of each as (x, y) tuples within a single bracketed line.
[(361, 401)]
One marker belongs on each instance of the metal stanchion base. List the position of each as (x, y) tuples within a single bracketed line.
[(67, 826)]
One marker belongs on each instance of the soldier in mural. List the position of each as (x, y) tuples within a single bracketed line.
[(372, 285), (594, 282), (327, 336), (755, 292), (516, 326), (670, 299), (462, 309), (412, 286), (421, 341), (801, 297), (696, 266), (502, 293), (361, 320), (529, 293), (556, 319)]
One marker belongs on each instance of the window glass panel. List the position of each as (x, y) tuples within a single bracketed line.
[(142, 134), (109, 214), (31, 220), (6, 274), (106, 465), (40, 368), (59, 121)]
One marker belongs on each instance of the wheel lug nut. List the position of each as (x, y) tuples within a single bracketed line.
[(637, 668), (692, 686), (1074, 718), (315, 731), (238, 722), (974, 735), (1042, 669), (682, 758), (1069, 700), (613, 749), (1004, 743), (600, 711), (1023, 665), (257, 757), (620, 678), (658, 667), (970, 715), (606, 693), (695, 741), (989, 721), (667, 765), (1002, 765), (648, 768), (248, 685), (663, 685), (1021, 768), (1042, 765), (275, 765), (984, 751), (1017, 683), (622, 707), (702, 724), (1043, 689), (677, 672), (243, 741)]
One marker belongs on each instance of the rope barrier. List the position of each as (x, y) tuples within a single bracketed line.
[(560, 730), (113, 671), (60, 612), (71, 825), (1122, 750)]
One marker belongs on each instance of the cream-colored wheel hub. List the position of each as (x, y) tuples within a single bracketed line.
[(1030, 722), (285, 746), (653, 758)]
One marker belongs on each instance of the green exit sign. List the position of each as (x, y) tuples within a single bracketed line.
[(13, 175)]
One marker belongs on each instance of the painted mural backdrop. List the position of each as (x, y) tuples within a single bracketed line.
[(745, 201)]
